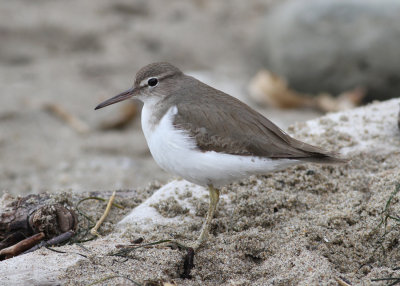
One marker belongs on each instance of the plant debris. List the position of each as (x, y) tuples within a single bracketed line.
[(268, 88)]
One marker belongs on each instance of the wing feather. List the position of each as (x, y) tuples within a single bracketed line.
[(237, 129)]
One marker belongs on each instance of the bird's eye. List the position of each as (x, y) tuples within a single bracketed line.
[(152, 81)]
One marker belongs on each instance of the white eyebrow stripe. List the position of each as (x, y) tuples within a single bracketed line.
[(161, 76), (144, 82)]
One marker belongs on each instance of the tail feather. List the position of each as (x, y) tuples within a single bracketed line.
[(324, 158), (316, 154)]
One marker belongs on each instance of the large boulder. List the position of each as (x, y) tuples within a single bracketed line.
[(335, 45)]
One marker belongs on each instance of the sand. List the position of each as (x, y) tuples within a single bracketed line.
[(307, 225)]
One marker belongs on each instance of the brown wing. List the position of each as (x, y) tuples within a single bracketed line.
[(238, 129)]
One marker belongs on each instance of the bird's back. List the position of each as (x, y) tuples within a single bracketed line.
[(219, 122)]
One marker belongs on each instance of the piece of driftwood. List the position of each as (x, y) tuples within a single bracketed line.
[(54, 241), (128, 112), (24, 218), (267, 88), (74, 122), (21, 246)]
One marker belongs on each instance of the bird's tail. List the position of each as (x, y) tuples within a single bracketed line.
[(316, 154), (324, 158)]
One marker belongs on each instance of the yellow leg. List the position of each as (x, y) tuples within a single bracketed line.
[(214, 198)]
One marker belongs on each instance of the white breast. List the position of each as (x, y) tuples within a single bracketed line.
[(176, 152)]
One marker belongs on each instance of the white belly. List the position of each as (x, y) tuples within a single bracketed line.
[(176, 152)]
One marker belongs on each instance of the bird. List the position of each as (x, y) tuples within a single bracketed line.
[(208, 137)]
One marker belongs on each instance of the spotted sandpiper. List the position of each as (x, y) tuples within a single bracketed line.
[(207, 136)]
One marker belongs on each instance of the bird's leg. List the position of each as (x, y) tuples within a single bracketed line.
[(214, 198)]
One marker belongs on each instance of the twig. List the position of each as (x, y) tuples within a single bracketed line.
[(64, 252), (396, 280), (394, 193), (188, 264), (93, 231), (54, 241), (129, 248), (342, 282), (21, 246), (83, 247), (74, 122), (127, 113), (88, 217), (385, 215)]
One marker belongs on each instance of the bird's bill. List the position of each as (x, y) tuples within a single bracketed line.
[(120, 97)]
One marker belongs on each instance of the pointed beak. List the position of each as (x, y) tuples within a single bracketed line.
[(120, 97)]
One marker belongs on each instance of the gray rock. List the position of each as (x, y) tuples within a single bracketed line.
[(398, 120), (335, 45)]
